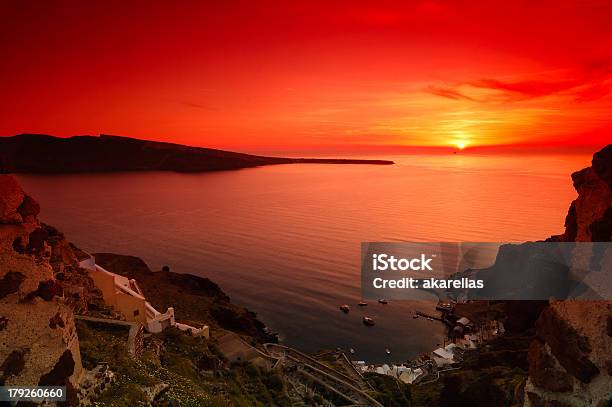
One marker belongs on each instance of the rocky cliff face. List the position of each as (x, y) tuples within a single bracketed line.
[(570, 362), (39, 345), (589, 218)]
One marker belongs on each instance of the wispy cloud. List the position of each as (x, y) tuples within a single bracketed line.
[(590, 82), (200, 106), (447, 92), (526, 89)]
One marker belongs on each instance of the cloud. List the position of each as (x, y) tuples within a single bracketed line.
[(528, 89), (591, 82), (200, 106), (593, 93), (447, 93)]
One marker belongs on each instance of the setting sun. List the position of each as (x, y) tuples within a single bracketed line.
[(461, 145)]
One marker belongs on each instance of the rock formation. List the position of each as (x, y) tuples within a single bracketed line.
[(39, 345), (570, 362)]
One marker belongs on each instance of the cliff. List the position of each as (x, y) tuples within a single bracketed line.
[(39, 344), (42, 289), (44, 154), (554, 353), (570, 361)]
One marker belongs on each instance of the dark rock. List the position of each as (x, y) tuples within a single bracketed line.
[(580, 178), (601, 230), (589, 217), (602, 164), (479, 392), (13, 364), (569, 347), (544, 373), (11, 197), (29, 207), (571, 224), (208, 363), (537, 401), (521, 316), (18, 245), (63, 369), (56, 321), (10, 283), (3, 323), (46, 290), (37, 241)]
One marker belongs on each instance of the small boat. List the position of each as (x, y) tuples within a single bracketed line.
[(345, 308), (430, 319), (387, 351), (362, 303), (415, 316), (352, 351), (383, 301), (368, 321)]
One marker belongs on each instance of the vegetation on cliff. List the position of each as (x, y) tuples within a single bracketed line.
[(175, 368)]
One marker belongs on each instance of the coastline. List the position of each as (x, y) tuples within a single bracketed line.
[(108, 154)]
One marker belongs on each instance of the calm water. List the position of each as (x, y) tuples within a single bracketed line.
[(284, 240)]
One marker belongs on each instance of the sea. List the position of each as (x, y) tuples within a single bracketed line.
[(284, 240)]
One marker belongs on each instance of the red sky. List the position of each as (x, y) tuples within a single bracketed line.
[(312, 75)]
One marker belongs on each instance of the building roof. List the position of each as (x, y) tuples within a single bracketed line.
[(443, 353)]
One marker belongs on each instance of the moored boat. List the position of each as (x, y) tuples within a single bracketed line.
[(368, 321), (345, 308)]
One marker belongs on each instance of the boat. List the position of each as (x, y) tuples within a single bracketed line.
[(345, 308), (387, 351), (362, 303), (430, 319), (383, 301), (368, 321), (415, 316)]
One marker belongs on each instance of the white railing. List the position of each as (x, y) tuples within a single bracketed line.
[(156, 321)]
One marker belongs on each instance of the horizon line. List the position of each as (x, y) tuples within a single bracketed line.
[(567, 148)]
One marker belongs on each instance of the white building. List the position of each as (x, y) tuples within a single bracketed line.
[(124, 295)]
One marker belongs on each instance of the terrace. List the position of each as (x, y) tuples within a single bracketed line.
[(125, 296)]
